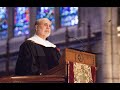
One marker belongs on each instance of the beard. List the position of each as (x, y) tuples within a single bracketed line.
[(47, 34), (44, 32)]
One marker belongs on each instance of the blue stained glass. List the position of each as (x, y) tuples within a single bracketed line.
[(3, 23), (21, 21), (46, 12), (68, 16)]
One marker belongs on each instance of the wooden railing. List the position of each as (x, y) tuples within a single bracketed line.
[(34, 79)]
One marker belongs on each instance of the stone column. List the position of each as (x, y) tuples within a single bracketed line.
[(116, 61), (10, 20), (57, 18), (33, 11), (118, 20), (110, 61)]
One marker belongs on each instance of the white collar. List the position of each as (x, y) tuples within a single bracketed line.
[(41, 41)]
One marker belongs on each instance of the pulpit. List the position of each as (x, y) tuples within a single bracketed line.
[(77, 66), (74, 67)]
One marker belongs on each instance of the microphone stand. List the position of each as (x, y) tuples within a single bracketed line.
[(67, 37)]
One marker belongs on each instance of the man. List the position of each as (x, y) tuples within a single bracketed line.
[(36, 54)]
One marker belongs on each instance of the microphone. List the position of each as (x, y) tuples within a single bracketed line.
[(67, 37), (81, 44)]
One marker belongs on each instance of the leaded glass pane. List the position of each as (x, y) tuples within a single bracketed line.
[(46, 12), (3, 23), (21, 21), (68, 16)]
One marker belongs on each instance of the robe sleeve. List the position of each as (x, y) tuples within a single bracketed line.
[(24, 64), (58, 53)]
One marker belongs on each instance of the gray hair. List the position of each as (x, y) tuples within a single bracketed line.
[(37, 22)]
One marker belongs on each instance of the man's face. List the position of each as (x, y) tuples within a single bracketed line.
[(44, 28)]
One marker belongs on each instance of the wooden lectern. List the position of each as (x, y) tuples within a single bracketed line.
[(74, 67)]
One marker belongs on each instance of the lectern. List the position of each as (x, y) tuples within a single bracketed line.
[(74, 67)]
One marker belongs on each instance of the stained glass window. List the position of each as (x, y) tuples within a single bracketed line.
[(21, 21), (3, 23), (68, 16), (46, 12)]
